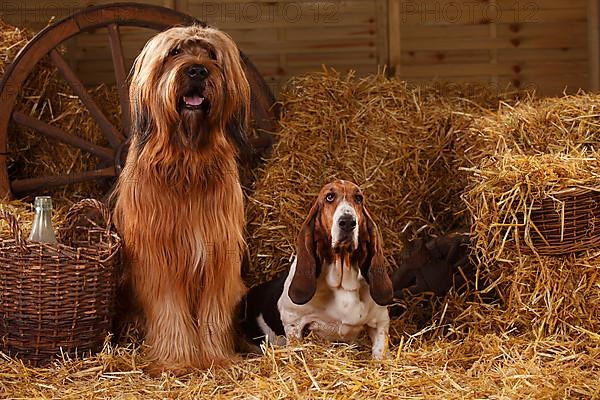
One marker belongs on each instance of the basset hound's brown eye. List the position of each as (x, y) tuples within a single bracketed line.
[(330, 197), (175, 51), (358, 198)]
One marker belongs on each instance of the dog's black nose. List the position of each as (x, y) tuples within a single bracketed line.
[(347, 223), (197, 71)]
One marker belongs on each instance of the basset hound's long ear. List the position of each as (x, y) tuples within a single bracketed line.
[(373, 268), (304, 282)]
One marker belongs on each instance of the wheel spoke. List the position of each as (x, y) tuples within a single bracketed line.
[(111, 133), (62, 136), (45, 182), (116, 50), (4, 181)]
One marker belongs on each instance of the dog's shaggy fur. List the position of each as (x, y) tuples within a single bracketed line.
[(179, 204)]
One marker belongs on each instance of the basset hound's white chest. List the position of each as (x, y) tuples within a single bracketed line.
[(340, 309)]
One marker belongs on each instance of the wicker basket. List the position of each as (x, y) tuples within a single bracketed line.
[(566, 222), (58, 298)]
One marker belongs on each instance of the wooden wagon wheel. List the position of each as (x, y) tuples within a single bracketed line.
[(112, 17)]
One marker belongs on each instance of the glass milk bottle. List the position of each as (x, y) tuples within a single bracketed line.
[(42, 231)]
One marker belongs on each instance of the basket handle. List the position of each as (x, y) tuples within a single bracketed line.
[(14, 228), (68, 229)]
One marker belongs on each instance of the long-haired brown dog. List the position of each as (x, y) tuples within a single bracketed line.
[(179, 202)]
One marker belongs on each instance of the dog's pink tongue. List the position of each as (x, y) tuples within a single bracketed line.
[(193, 100)]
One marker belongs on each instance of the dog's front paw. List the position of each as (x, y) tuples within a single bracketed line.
[(381, 355), (156, 369), (380, 349)]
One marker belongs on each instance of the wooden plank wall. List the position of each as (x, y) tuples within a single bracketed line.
[(517, 43), (36, 14), (287, 38), (283, 38), (549, 44), (90, 54)]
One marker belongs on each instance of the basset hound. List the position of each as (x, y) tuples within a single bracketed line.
[(336, 286)]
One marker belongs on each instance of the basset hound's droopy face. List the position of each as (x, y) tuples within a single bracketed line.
[(341, 214), (339, 223)]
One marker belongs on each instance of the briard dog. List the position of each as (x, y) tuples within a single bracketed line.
[(179, 203)]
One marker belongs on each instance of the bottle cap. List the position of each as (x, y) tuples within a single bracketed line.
[(43, 202)]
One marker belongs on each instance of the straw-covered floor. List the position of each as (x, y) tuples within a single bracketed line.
[(483, 365)]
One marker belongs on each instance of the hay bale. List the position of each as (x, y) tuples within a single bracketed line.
[(537, 126), (526, 154), (549, 295), (394, 140), (47, 97), (414, 151)]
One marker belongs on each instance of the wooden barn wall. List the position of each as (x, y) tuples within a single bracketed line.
[(541, 44), (283, 38), (287, 38), (517, 43)]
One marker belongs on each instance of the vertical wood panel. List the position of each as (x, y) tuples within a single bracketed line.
[(394, 36), (594, 43), (284, 38), (382, 33), (493, 29)]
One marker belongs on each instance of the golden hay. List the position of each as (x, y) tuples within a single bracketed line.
[(481, 366), (394, 140), (549, 295), (537, 126), (469, 347), (12, 39), (526, 153), (47, 97)]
